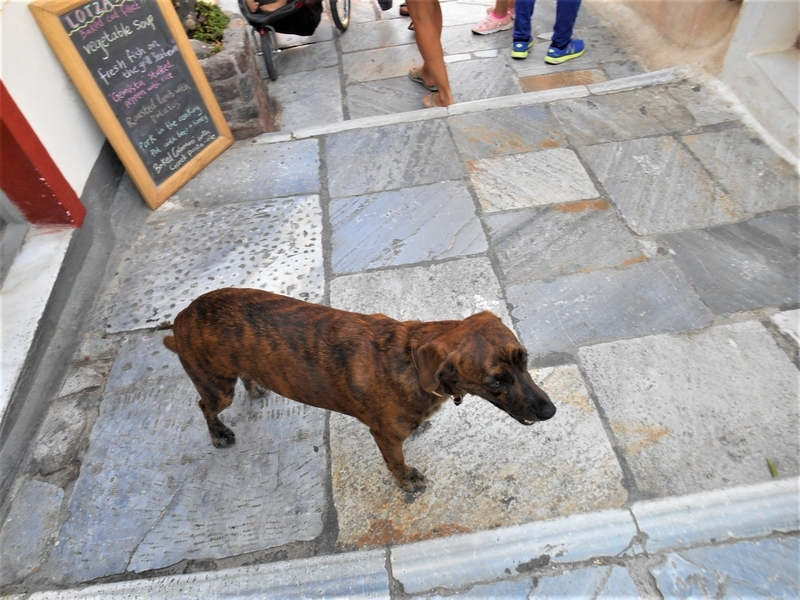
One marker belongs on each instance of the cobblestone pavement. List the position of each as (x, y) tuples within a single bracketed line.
[(641, 241)]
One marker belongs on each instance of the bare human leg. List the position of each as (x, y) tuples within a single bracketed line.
[(427, 18)]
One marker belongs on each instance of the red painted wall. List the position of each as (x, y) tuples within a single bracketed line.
[(28, 175)]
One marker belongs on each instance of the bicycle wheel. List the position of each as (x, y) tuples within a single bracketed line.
[(340, 11), (266, 50)]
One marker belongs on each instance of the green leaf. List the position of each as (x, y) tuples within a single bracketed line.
[(773, 469)]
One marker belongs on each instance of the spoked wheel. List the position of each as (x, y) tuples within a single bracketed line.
[(340, 11), (267, 49)]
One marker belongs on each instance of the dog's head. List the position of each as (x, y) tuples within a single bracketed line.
[(481, 356)]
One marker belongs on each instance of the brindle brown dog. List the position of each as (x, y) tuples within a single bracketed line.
[(388, 374)]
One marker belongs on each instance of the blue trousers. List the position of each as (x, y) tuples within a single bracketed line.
[(566, 13)]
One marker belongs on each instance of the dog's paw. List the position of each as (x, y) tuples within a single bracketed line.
[(414, 481), (223, 437)]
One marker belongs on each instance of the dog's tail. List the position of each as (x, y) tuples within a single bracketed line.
[(169, 341)]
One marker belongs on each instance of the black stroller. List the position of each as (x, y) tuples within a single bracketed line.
[(297, 17)]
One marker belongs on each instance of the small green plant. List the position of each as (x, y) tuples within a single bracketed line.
[(211, 24)]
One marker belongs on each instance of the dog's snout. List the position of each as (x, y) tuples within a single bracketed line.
[(546, 411)]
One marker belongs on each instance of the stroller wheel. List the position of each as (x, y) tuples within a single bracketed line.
[(340, 11), (268, 49)]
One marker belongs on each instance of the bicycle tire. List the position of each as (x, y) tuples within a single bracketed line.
[(266, 49), (343, 20)]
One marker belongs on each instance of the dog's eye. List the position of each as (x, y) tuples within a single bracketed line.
[(494, 383)]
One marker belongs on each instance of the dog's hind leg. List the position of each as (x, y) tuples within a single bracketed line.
[(216, 394)]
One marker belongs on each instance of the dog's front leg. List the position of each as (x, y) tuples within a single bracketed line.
[(391, 447)]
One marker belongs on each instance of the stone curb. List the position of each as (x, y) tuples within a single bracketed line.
[(633, 82), (462, 561), (25, 293), (720, 515), (352, 575)]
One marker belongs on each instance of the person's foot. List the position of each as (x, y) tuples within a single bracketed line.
[(556, 56), (491, 23), (430, 100), (403, 10), (521, 49), (415, 75)]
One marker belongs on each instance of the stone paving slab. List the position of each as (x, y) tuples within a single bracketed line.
[(304, 59), (547, 242), (459, 39), (520, 180), (484, 470), (694, 412), (587, 308), (390, 157), (382, 63), (658, 186), (760, 569), (756, 179), (462, 13), (274, 245), (406, 226), (592, 582), (744, 265), (621, 116), (154, 491), (376, 34), (560, 80), (789, 323), (384, 97), (60, 435), (249, 173), (506, 131), (706, 108), (309, 98), (480, 78), (449, 290), (29, 530)]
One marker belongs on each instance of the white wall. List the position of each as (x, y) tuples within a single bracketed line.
[(50, 102), (763, 66)]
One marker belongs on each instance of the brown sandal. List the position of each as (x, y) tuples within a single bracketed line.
[(404, 10)]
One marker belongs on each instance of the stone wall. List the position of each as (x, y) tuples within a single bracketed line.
[(665, 33), (237, 82)]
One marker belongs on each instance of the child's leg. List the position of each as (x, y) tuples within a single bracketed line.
[(566, 14), (522, 23)]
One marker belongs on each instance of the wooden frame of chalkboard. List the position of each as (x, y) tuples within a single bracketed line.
[(134, 67)]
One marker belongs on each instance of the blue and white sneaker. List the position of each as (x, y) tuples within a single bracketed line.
[(521, 49), (556, 56)]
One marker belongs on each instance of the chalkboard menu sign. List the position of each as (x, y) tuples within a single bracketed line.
[(134, 67)]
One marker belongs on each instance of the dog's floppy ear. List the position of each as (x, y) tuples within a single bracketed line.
[(430, 360)]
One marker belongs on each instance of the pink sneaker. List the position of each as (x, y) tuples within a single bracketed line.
[(493, 24)]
